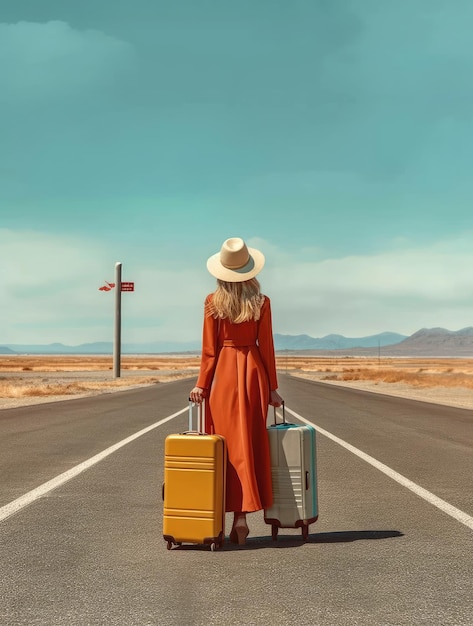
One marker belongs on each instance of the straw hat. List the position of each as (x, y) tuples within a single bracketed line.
[(235, 262)]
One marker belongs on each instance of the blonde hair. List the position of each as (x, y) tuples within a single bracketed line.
[(237, 302)]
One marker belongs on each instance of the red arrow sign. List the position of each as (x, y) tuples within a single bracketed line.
[(107, 286)]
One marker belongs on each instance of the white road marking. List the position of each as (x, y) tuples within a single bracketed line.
[(54, 483), (444, 506), (18, 504)]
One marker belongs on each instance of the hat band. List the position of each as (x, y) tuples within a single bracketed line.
[(249, 265)]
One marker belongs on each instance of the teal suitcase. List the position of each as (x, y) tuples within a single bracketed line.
[(294, 477)]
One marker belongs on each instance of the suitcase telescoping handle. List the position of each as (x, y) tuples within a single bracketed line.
[(200, 417), (283, 414)]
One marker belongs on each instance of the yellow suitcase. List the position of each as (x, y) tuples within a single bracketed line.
[(194, 486)]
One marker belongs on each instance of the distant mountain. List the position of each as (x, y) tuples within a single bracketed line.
[(335, 342), (281, 342), (105, 347), (5, 350), (437, 342), (425, 342)]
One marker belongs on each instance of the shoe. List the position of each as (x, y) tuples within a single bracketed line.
[(239, 533)]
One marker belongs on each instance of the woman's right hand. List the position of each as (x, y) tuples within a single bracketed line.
[(275, 399), (197, 395)]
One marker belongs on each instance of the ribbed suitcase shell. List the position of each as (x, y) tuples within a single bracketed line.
[(194, 489), (294, 477)]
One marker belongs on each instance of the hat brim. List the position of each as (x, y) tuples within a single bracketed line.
[(250, 270)]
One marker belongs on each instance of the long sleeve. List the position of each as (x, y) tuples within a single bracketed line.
[(209, 356), (266, 343)]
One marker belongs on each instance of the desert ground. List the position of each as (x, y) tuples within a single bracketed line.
[(35, 379)]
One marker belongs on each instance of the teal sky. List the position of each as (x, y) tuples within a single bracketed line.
[(333, 134)]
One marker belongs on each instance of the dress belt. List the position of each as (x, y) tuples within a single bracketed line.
[(235, 344)]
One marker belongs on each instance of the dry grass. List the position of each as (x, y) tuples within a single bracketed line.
[(84, 363), (416, 379), (48, 376), (425, 372), (20, 388), (52, 376)]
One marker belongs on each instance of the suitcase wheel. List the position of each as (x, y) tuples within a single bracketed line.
[(305, 531), (169, 545), (274, 532), (217, 544)]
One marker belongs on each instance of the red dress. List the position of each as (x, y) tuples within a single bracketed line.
[(238, 366)]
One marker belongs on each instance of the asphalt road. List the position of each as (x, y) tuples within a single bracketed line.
[(91, 552)]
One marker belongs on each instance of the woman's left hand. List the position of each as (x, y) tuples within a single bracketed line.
[(275, 399)]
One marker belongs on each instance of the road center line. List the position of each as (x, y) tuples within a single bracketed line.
[(54, 483), (444, 506)]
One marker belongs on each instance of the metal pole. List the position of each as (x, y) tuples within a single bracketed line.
[(118, 320)]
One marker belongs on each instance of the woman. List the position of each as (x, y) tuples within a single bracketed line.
[(238, 375)]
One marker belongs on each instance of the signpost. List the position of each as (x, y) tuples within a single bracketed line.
[(117, 342)]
